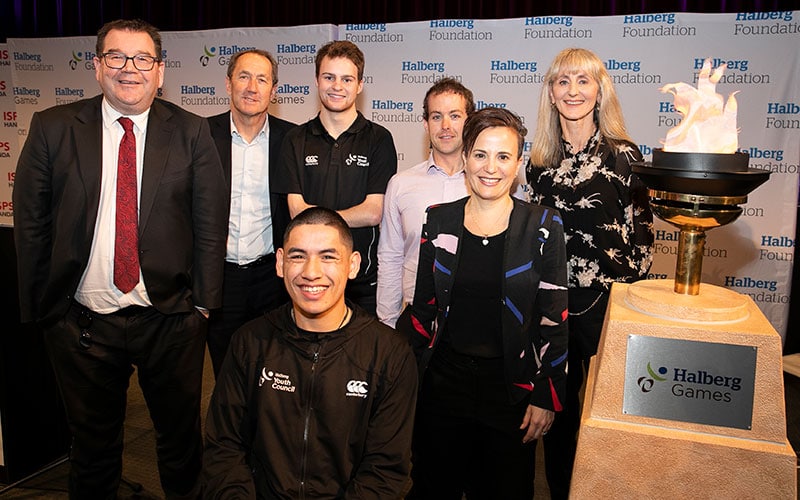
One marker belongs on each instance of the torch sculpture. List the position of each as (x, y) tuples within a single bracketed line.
[(695, 190), (689, 378)]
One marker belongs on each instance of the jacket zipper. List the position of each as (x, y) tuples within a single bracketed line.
[(309, 410)]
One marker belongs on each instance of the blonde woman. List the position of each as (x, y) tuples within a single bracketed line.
[(581, 165)]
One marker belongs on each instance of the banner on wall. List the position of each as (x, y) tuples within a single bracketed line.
[(503, 62), (196, 64), (8, 145)]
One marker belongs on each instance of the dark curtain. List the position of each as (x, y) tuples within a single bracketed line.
[(50, 18)]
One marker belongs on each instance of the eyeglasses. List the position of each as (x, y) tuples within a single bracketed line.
[(116, 60)]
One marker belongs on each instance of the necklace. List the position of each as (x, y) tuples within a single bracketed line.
[(347, 312), (485, 240)]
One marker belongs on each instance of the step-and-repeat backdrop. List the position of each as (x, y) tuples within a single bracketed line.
[(503, 62)]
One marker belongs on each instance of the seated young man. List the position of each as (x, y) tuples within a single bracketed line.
[(315, 399)]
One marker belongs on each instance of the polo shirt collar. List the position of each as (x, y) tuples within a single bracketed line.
[(318, 129)]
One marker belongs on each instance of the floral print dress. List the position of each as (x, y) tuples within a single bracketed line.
[(608, 224)]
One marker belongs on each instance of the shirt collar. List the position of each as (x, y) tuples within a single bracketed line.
[(434, 168), (318, 129), (264, 130), (110, 115)]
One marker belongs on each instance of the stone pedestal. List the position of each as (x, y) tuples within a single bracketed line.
[(626, 452)]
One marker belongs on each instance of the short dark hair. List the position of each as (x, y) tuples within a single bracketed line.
[(452, 86), (323, 217), (492, 117), (341, 48), (263, 53), (134, 25)]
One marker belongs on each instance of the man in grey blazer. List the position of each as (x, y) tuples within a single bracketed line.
[(123, 173), (249, 140)]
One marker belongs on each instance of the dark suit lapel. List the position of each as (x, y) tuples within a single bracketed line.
[(275, 140), (221, 132), (87, 136), (156, 153)]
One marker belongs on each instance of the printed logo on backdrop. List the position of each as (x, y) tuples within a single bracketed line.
[(457, 30), (219, 55), (371, 33), (737, 71), (764, 291), (514, 71), (769, 159), (537, 28), (690, 381), (780, 247), (202, 95), (83, 60), (27, 95), (628, 72), (391, 111), (654, 26), (783, 115), (7, 208), (291, 54), (666, 243), (289, 93), (765, 24), (29, 61), (424, 72), (9, 119), (66, 95), (5, 149)]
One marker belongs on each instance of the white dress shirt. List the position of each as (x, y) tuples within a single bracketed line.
[(250, 220), (408, 194), (96, 289)]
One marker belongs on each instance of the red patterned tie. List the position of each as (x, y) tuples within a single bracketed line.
[(126, 243)]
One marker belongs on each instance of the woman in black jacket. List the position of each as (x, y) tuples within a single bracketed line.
[(488, 326)]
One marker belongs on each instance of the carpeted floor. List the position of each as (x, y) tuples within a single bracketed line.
[(139, 461)]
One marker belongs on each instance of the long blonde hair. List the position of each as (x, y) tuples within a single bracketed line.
[(546, 147)]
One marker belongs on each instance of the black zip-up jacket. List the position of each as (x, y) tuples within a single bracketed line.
[(301, 415)]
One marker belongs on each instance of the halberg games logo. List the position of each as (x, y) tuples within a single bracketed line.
[(81, 59), (697, 384), (222, 53), (207, 55), (646, 383)]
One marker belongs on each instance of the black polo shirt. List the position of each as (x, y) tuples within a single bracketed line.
[(339, 173)]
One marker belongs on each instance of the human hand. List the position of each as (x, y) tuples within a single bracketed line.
[(537, 421)]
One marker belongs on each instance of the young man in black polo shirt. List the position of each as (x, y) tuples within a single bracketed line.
[(342, 161)]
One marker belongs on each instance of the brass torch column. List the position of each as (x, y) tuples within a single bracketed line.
[(690, 261), (693, 215)]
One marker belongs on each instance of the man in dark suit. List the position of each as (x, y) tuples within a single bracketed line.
[(120, 214), (249, 140)]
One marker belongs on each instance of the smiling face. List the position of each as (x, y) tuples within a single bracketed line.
[(250, 85), (315, 265), (338, 84), (129, 90), (446, 115), (493, 163), (575, 95)]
